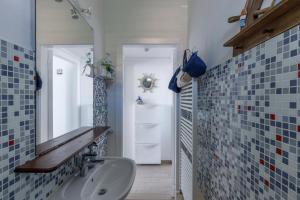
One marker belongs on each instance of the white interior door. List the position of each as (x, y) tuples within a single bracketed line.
[(64, 96)]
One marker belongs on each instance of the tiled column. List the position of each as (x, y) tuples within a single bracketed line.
[(100, 102), (100, 110)]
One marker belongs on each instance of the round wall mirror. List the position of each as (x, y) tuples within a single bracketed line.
[(148, 82)]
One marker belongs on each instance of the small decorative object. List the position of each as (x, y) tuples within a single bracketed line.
[(88, 64), (107, 69), (148, 82), (243, 18), (59, 71), (139, 101)]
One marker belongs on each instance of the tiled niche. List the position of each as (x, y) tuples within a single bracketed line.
[(249, 123), (17, 127)]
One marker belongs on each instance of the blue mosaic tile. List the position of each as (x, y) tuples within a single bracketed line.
[(249, 124)]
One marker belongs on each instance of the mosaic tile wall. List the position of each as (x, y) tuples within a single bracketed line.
[(249, 123), (17, 129), (100, 109), (100, 102)]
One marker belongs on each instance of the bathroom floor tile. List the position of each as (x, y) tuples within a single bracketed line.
[(153, 182)]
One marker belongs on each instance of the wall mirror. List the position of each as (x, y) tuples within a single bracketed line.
[(64, 52), (147, 82)]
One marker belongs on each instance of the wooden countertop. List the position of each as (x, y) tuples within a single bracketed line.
[(53, 159)]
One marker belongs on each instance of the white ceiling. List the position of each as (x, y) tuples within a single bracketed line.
[(148, 51)]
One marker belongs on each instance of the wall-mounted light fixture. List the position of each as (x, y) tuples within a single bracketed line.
[(85, 11)]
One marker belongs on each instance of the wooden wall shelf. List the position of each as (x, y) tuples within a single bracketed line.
[(52, 144), (55, 158), (278, 19)]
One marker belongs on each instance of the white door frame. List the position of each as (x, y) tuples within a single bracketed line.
[(118, 140), (173, 112)]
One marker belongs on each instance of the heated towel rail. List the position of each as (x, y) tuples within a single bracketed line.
[(187, 131)]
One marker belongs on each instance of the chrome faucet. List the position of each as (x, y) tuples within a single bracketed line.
[(86, 159)]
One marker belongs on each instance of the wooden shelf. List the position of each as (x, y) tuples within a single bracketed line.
[(280, 18), (55, 158), (50, 145)]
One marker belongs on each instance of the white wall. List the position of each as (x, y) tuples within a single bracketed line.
[(134, 68), (17, 26), (136, 22), (209, 30)]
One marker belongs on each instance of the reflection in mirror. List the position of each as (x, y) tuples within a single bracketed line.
[(64, 43)]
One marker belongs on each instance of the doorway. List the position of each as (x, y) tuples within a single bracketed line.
[(149, 119)]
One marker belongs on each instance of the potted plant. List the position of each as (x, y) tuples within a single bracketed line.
[(107, 69)]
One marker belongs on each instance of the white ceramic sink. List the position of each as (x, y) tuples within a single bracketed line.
[(111, 180)]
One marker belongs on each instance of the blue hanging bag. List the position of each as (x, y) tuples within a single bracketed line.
[(173, 82), (195, 66)]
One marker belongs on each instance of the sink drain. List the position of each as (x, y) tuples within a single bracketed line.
[(102, 191)]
